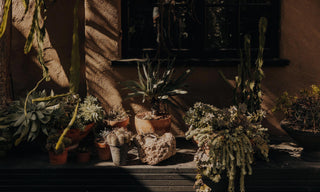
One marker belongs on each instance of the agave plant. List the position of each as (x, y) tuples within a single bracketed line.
[(38, 116), (5, 131), (156, 85)]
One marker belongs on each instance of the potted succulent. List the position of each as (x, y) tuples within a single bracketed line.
[(302, 120), (102, 147), (118, 141), (59, 156), (90, 112), (158, 87), (226, 140), (117, 117), (29, 122)]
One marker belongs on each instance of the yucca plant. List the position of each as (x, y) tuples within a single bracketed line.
[(156, 85)]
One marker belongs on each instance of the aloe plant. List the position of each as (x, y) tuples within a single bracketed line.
[(157, 86)]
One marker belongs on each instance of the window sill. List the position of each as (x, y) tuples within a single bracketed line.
[(195, 62)]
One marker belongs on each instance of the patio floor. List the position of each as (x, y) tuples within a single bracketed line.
[(285, 172)]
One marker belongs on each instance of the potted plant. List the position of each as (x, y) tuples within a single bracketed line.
[(117, 117), (90, 112), (102, 147), (226, 140), (59, 156), (29, 122), (158, 87), (302, 120), (83, 154), (118, 141)]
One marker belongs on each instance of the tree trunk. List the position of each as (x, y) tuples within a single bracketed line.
[(5, 46)]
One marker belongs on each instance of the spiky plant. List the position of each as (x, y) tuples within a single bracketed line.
[(230, 136), (90, 110), (39, 114), (247, 87), (156, 85), (118, 137), (117, 113)]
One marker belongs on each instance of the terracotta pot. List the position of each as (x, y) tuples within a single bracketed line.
[(158, 126), (86, 130), (309, 140), (120, 123), (74, 135), (103, 150), (119, 154), (83, 157), (58, 159)]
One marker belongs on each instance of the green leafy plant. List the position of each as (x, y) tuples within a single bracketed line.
[(116, 114), (156, 85), (90, 110), (247, 88), (39, 114), (52, 141), (302, 110), (229, 136)]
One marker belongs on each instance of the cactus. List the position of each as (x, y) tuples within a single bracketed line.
[(117, 113), (118, 137), (247, 87)]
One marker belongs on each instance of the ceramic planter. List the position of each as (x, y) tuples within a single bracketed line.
[(121, 123), (158, 126), (103, 151), (119, 154), (308, 140), (83, 157), (58, 159)]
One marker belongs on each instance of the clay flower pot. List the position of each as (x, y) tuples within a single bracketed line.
[(120, 123), (103, 150), (159, 126), (83, 157), (74, 135), (58, 159), (119, 154), (86, 130)]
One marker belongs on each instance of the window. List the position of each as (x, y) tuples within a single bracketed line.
[(198, 28)]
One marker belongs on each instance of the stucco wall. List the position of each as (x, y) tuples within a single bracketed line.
[(300, 37)]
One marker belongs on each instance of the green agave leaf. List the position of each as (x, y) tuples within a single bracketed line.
[(34, 126), (45, 119), (33, 117), (19, 121), (4, 126), (3, 25), (39, 114)]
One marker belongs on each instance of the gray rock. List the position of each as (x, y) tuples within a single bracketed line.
[(153, 149)]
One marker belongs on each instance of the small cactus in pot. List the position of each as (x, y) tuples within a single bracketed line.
[(118, 141)]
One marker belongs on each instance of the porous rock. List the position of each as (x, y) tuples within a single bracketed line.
[(153, 149)]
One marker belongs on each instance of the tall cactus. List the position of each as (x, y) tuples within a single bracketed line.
[(248, 82)]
